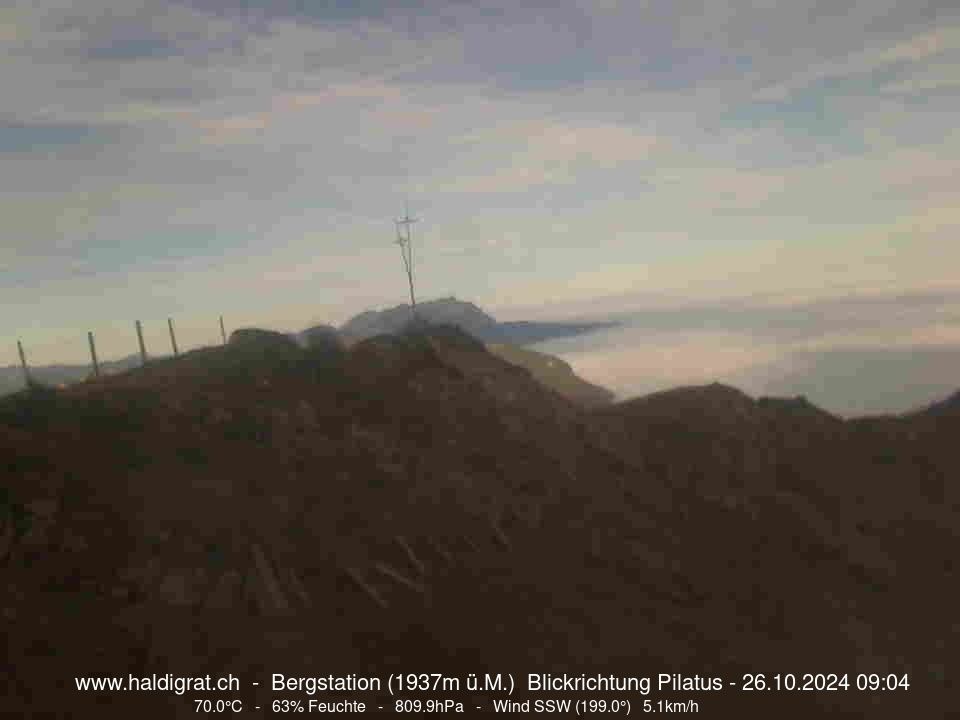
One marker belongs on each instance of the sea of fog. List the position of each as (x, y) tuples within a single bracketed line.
[(858, 356)]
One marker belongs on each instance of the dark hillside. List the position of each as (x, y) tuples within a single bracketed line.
[(416, 502)]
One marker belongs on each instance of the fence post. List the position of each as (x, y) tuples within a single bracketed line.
[(223, 332), (23, 363), (143, 348), (173, 337), (93, 355)]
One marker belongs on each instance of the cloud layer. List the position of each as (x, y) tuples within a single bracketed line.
[(193, 158)]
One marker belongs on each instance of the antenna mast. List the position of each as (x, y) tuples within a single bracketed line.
[(404, 240)]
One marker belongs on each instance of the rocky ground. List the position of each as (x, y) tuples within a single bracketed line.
[(415, 503)]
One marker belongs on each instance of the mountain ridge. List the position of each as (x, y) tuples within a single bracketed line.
[(349, 505), (445, 311), (465, 315)]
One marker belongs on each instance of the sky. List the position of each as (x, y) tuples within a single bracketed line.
[(198, 158)]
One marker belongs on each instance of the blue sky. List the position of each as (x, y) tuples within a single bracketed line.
[(198, 158)]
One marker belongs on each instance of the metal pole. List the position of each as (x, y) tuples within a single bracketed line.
[(143, 348), (402, 242), (173, 337), (223, 333), (23, 364), (93, 355), (406, 249), (413, 299), (410, 221)]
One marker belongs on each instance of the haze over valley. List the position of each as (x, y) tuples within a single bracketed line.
[(870, 354)]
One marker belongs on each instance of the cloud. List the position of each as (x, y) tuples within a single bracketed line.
[(560, 150), (542, 153), (919, 48), (932, 78)]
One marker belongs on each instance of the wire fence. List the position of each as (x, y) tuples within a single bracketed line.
[(40, 364)]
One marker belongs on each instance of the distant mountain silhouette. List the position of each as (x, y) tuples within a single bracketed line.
[(465, 315), (11, 376), (948, 406), (719, 405)]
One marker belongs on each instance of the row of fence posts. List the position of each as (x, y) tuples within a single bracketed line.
[(95, 362)]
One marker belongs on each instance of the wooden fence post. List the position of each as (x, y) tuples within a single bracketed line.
[(173, 337), (143, 348), (23, 363), (93, 355)]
